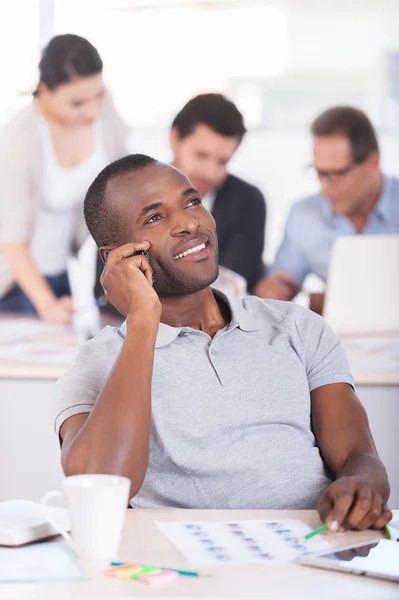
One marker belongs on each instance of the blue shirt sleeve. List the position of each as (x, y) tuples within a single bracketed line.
[(291, 256)]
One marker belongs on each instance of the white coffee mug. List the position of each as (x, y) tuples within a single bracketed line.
[(97, 508)]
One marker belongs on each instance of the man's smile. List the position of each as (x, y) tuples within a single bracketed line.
[(194, 250)]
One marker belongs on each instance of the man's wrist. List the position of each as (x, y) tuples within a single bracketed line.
[(367, 469), (147, 317)]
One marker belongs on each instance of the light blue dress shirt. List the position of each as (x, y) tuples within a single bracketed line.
[(312, 227)]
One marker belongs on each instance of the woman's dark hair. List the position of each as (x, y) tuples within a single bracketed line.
[(66, 57), (352, 123)]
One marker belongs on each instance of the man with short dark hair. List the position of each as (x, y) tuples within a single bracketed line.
[(355, 198), (204, 136), (200, 400)]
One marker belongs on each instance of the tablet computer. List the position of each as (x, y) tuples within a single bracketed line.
[(377, 558)]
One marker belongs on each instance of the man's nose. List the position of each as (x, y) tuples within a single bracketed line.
[(215, 172), (183, 224), (210, 170)]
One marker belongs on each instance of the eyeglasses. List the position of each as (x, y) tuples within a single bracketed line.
[(332, 176)]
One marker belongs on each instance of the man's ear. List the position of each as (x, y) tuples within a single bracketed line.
[(374, 160), (103, 251)]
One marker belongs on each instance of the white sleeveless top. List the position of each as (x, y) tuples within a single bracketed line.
[(64, 189)]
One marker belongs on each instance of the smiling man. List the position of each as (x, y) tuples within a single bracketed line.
[(202, 401)]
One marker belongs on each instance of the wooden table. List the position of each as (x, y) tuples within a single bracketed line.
[(143, 543)]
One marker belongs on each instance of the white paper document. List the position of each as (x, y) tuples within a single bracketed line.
[(377, 354), (38, 562), (240, 542), (26, 329), (43, 354), (33, 342)]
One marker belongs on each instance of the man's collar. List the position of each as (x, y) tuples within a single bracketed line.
[(382, 208), (326, 208), (241, 318), (383, 205), (165, 336)]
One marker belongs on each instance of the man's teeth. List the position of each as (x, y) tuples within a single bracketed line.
[(190, 251)]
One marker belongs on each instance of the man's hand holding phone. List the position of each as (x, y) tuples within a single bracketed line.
[(127, 280)]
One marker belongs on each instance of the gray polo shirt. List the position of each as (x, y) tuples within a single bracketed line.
[(231, 422)]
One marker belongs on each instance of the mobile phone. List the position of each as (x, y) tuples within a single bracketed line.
[(106, 254)]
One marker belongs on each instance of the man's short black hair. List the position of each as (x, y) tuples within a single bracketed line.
[(102, 220), (214, 110), (352, 123)]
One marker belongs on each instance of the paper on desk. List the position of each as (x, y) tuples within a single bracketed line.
[(38, 562), (240, 542), (15, 331), (32, 341), (40, 353), (377, 354)]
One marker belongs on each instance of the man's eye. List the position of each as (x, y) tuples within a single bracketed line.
[(153, 219), (194, 202)]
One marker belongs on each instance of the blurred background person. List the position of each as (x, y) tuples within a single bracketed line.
[(49, 154), (204, 137), (355, 198)]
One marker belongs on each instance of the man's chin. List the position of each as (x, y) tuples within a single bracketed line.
[(339, 208), (186, 286)]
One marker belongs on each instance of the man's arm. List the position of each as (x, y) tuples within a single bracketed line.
[(34, 285), (358, 497), (290, 266), (114, 437), (278, 286), (316, 302)]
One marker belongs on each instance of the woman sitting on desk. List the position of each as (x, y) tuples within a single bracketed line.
[(49, 154)]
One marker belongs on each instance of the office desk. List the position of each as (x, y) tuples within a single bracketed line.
[(143, 543)]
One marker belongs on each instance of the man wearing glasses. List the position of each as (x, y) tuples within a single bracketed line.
[(354, 198)]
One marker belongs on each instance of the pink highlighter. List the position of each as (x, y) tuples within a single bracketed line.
[(141, 573), (162, 576)]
